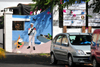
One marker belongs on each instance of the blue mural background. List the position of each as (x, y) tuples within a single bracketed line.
[(42, 22)]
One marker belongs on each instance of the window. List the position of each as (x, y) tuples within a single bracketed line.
[(58, 41), (18, 25), (80, 39), (98, 41), (54, 40), (94, 37), (64, 41)]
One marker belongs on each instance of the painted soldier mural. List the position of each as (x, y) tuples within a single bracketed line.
[(26, 34), (31, 33)]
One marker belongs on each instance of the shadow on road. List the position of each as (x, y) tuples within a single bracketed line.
[(37, 60), (29, 59)]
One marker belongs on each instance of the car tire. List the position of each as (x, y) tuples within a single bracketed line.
[(95, 63), (70, 61), (53, 59)]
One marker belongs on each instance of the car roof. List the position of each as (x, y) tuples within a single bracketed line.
[(78, 33), (74, 33), (96, 31)]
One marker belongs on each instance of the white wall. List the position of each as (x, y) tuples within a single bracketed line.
[(56, 13), (1, 35), (56, 30)]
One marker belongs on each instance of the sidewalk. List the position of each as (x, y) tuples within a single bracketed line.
[(43, 48)]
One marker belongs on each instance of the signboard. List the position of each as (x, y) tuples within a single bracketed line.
[(70, 17), (75, 15), (94, 24), (74, 22), (95, 19), (76, 6)]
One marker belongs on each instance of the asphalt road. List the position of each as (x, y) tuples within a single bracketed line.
[(17, 60)]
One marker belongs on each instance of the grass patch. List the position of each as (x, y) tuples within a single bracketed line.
[(45, 54)]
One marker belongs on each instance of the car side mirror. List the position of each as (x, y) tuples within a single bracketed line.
[(93, 48)]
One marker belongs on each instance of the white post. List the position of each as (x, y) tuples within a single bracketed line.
[(8, 30)]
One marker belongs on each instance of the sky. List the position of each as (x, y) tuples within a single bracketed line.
[(12, 3), (15, 0)]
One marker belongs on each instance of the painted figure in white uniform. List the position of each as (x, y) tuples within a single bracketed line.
[(31, 33)]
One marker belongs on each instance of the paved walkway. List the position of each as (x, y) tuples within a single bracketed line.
[(43, 48)]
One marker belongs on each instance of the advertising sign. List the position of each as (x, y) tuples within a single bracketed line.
[(75, 15), (95, 19)]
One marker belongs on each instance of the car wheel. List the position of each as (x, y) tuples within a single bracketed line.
[(70, 61), (95, 63), (53, 59)]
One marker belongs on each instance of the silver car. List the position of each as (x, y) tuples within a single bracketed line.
[(71, 47)]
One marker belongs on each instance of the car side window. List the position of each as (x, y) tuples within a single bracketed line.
[(94, 39), (64, 41), (58, 40), (98, 41)]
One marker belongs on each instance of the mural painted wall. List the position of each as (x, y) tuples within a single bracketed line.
[(40, 29)]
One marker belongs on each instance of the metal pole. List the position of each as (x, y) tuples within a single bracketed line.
[(3, 33)]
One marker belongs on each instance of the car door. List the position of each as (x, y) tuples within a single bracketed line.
[(98, 48), (93, 46), (57, 45), (64, 47)]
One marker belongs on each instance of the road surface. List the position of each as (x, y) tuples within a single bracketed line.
[(22, 60)]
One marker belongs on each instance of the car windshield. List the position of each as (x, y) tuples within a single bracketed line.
[(80, 39)]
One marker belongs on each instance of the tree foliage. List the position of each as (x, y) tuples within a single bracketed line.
[(45, 4), (2, 53), (95, 5)]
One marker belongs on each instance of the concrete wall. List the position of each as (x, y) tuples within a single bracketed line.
[(57, 30), (8, 30)]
